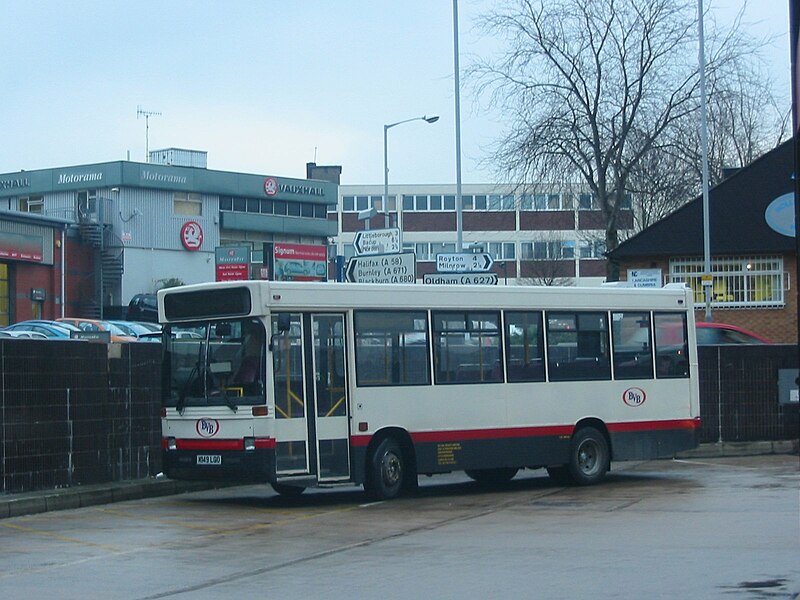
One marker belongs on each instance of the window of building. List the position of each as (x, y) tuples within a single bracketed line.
[(391, 348), (253, 205), (524, 346), (547, 250), (362, 203), (586, 202), (436, 202), (32, 204), (501, 250), (187, 203), (86, 202), (348, 203), (408, 202), (480, 202), (466, 347), (507, 202), (449, 202), (591, 249), (267, 207), (226, 203), (633, 356), (293, 209), (746, 282), (577, 346), (280, 208)]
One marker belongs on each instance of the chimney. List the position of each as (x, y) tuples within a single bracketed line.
[(332, 173)]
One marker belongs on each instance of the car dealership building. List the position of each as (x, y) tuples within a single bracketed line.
[(83, 240)]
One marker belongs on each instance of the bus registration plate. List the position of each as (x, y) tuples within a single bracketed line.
[(209, 459)]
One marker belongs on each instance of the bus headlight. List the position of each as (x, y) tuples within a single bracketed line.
[(171, 444), (249, 444)]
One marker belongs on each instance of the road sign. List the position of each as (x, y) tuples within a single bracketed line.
[(463, 262), (377, 241), (460, 278), (383, 268)]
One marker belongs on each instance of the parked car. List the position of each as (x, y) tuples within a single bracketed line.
[(143, 307), (50, 329), (116, 334), (31, 335), (132, 328), (713, 334)]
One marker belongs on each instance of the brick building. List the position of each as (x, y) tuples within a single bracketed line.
[(753, 248)]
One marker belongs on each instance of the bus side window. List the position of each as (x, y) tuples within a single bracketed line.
[(391, 348), (633, 356), (577, 346), (672, 347), (524, 346), (466, 347)]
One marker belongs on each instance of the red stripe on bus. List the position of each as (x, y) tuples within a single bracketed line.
[(516, 432), (221, 445), (653, 425)]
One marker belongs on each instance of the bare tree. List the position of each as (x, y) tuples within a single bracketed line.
[(593, 86)]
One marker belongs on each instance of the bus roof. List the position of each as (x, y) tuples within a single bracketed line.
[(274, 295)]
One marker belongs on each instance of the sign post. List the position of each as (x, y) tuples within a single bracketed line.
[(377, 241), (460, 278), (464, 262), (382, 268)]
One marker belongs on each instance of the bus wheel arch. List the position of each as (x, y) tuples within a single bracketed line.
[(390, 467)]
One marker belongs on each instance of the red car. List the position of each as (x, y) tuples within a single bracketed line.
[(714, 334)]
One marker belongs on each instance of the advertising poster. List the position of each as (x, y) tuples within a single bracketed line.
[(232, 262), (296, 262)]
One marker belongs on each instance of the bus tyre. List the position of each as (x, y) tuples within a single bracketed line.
[(492, 477), (290, 491), (588, 456), (386, 471)]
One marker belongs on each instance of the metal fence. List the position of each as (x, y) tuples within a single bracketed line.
[(739, 393), (74, 413)]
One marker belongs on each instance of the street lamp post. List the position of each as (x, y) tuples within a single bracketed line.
[(399, 205)]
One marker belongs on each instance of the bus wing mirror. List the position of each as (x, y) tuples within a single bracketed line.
[(284, 324)]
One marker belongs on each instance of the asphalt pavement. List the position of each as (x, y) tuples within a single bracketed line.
[(26, 503)]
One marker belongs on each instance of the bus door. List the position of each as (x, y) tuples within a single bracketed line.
[(331, 419), (310, 389)]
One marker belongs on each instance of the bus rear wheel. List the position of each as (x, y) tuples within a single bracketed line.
[(589, 456), (385, 471), (492, 476)]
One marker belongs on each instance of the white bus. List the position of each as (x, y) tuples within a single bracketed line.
[(316, 384)]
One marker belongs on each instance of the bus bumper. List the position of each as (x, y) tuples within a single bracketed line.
[(252, 466)]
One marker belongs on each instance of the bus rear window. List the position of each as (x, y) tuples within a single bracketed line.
[(227, 302)]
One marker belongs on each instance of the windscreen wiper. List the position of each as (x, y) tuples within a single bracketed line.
[(229, 401)]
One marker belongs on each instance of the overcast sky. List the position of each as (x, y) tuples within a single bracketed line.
[(264, 86)]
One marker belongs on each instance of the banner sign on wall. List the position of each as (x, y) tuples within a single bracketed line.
[(16, 246), (232, 262), (296, 262)]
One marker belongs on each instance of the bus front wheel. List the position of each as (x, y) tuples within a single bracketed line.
[(589, 456), (386, 471)]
